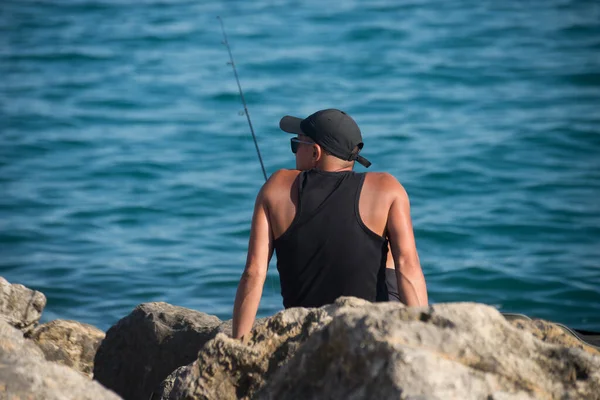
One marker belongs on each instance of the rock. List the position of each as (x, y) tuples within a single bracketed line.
[(183, 373), (25, 374), (20, 306), (446, 351), (226, 368), (69, 343), (355, 349), (12, 342), (166, 386), (551, 333), (143, 348), (226, 327)]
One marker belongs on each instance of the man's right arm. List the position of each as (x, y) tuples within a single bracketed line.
[(260, 250), (411, 282)]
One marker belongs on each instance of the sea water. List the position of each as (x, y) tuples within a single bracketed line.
[(128, 173)]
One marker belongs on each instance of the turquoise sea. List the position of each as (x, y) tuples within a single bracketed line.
[(128, 173)]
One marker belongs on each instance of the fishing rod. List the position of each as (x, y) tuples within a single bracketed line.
[(237, 79)]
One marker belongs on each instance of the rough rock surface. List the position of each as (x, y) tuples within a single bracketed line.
[(165, 388), (25, 374), (143, 348), (69, 343), (229, 369), (359, 350), (467, 350), (20, 306), (551, 333)]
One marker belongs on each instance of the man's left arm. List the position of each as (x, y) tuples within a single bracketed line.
[(260, 250)]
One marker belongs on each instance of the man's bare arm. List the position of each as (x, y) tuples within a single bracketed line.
[(260, 250), (411, 282)]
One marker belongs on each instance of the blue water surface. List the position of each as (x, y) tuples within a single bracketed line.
[(128, 174)]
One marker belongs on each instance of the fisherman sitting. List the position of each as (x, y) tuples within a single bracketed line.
[(336, 232)]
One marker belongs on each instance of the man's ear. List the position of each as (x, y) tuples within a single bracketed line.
[(317, 152)]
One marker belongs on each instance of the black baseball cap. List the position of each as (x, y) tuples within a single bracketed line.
[(332, 129)]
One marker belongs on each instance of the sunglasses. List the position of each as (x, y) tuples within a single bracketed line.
[(294, 143)]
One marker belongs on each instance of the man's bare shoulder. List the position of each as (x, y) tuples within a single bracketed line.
[(282, 177), (384, 181), (280, 182)]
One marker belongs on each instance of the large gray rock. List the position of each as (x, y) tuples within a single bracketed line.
[(20, 306), (359, 350), (69, 343), (465, 351), (143, 348), (186, 372), (25, 374), (552, 333), (229, 369), (164, 390)]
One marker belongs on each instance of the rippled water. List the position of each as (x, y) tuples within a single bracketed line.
[(127, 174)]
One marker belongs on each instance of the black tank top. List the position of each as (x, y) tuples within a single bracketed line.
[(327, 251)]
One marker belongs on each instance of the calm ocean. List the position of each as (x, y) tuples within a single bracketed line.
[(128, 174)]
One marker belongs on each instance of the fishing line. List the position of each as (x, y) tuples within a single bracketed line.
[(237, 79), (226, 43)]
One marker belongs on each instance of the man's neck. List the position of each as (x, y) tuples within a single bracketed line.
[(333, 169), (332, 166)]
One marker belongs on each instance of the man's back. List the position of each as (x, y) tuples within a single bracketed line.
[(281, 196), (324, 249), (328, 143)]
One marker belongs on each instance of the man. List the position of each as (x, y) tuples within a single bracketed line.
[(329, 226)]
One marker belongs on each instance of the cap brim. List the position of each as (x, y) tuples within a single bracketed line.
[(291, 124)]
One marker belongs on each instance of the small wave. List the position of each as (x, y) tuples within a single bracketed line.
[(59, 57)]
